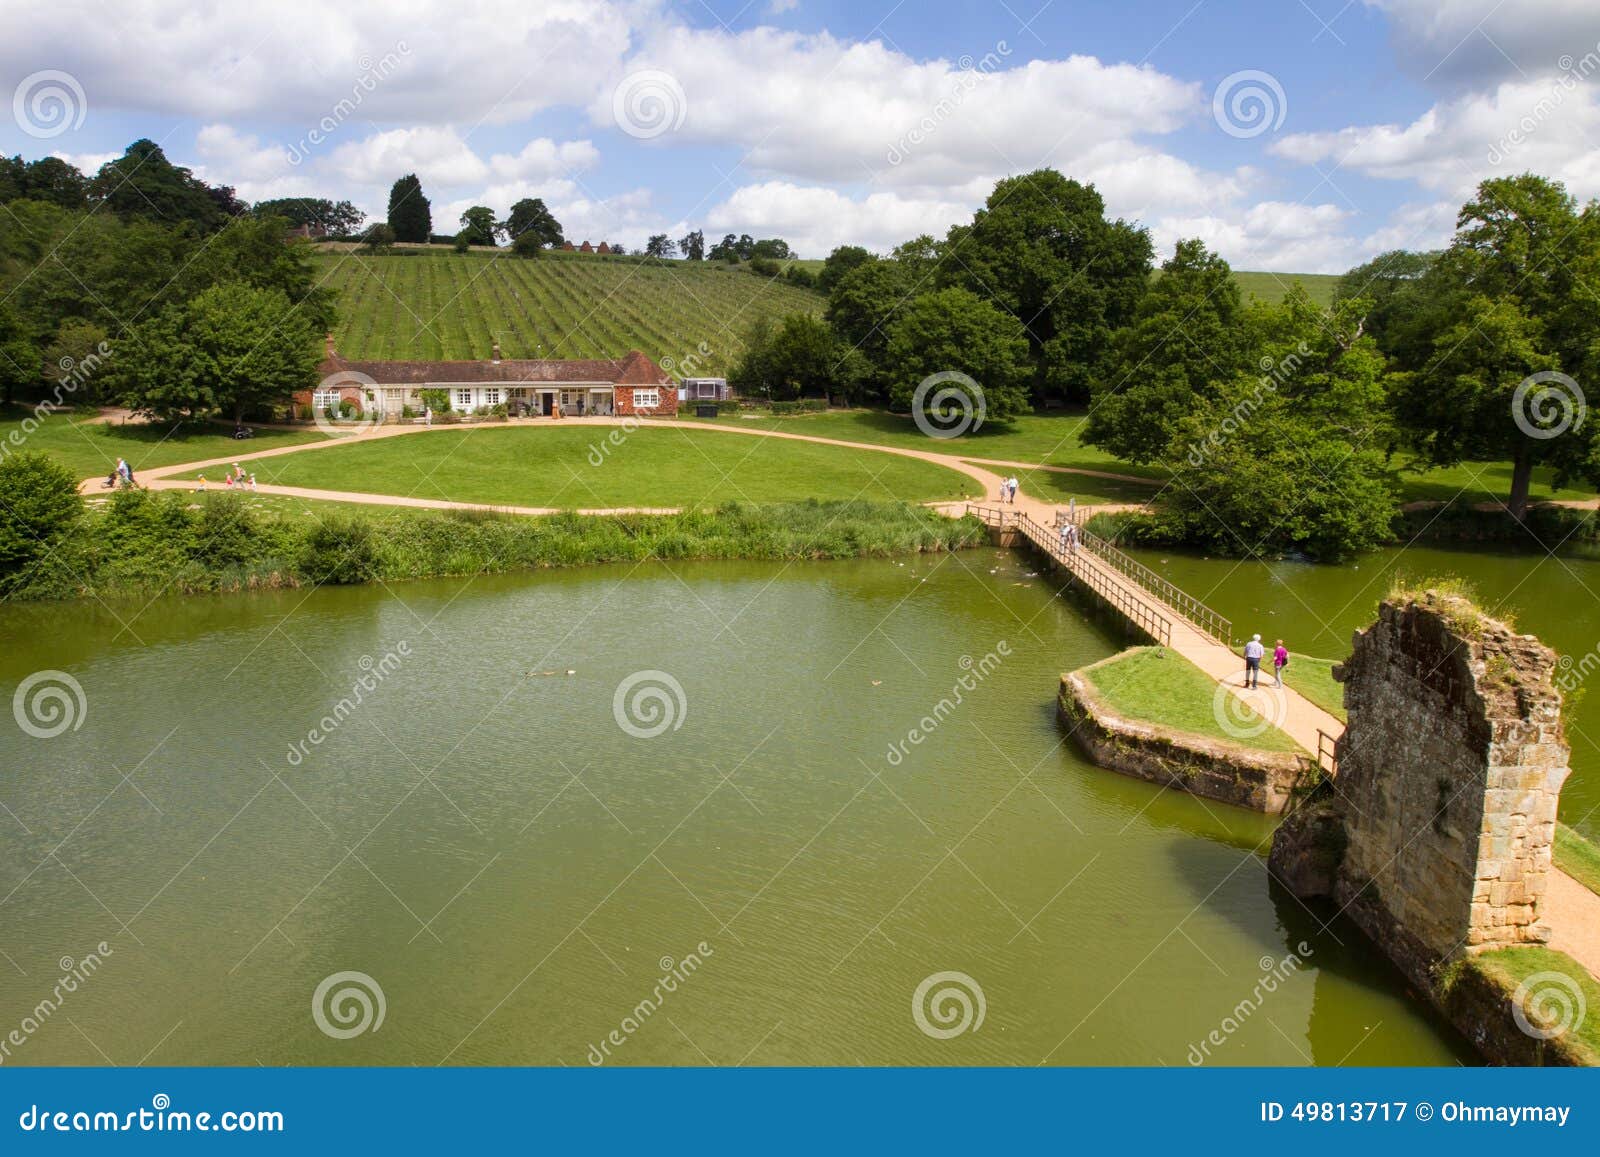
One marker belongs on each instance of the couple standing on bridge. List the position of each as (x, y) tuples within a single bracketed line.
[(1254, 652)]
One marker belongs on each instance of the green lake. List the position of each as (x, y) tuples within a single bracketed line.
[(517, 872)]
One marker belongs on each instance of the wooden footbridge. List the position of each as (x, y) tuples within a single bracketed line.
[(1168, 616)]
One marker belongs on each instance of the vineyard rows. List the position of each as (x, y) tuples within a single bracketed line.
[(455, 307)]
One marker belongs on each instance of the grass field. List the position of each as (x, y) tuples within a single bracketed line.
[(1313, 678), (1161, 687), (456, 306), (1577, 857), (1509, 968), (544, 466), (1272, 286), (93, 448)]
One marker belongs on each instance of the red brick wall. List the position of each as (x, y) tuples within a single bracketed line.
[(667, 409)]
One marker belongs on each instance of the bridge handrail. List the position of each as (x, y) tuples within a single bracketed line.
[(1187, 605), (1155, 624)]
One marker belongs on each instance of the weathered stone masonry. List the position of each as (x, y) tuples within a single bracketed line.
[(1437, 835)]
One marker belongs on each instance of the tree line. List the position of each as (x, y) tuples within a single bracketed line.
[(1278, 425)]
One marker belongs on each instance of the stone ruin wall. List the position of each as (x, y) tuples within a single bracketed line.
[(1449, 776)]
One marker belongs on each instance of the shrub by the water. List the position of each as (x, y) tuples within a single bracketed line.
[(142, 542), (39, 504)]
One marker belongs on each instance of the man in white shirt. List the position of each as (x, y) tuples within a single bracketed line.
[(1253, 651)]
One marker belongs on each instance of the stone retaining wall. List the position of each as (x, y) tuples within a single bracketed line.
[(1263, 781)]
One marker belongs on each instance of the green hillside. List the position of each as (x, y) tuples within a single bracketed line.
[(441, 304), (447, 305), (1272, 286)]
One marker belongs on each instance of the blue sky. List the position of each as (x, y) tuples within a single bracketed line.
[(827, 122)]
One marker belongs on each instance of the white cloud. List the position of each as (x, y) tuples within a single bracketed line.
[(1549, 126), (1277, 236), (1477, 42), (813, 107), (815, 219), (293, 61)]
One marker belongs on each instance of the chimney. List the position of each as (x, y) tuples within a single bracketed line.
[(496, 358)]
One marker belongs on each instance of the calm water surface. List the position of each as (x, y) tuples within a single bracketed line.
[(515, 870), (1316, 609)]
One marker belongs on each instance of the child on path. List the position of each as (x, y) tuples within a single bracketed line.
[(1253, 653), (1280, 660)]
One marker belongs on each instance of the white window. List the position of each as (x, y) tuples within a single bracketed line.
[(321, 400), (491, 397), (646, 399), (464, 399)]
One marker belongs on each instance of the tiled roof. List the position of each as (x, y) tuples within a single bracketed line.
[(634, 369)]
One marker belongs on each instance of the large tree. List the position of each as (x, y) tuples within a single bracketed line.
[(693, 245), (798, 357), (841, 261), (479, 226), (143, 183), (49, 179), (1511, 300), (1190, 334), (1043, 250), (335, 218), (410, 215), (231, 349), (659, 245), (956, 330), (19, 357), (530, 216)]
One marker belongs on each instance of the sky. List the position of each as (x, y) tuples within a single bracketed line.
[(1299, 136)]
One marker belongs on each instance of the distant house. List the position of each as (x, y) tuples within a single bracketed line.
[(307, 232), (586, 248), (630, 385), (604, 248)]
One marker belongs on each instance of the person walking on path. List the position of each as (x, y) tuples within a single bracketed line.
[(1011, 489), (1066, 537), (1280, 660), (1253, 653)]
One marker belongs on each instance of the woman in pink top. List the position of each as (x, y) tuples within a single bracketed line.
[(1280, 660)]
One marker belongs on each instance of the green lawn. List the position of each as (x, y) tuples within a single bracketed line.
[(1313, 678), (1050, 439), (1473, 482), (1577, 857), (665, 467), (1507, 968), (1158, 686), (87, 449)]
